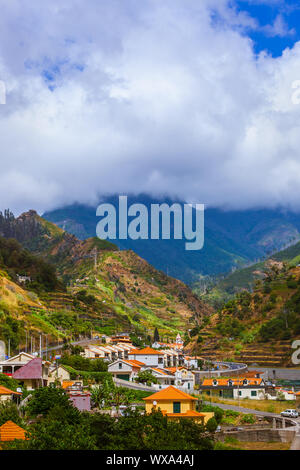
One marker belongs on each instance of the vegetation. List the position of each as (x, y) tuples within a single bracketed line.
[(60, 426)]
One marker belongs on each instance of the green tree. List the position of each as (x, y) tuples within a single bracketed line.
[(10, 412), (146, 377), (156, 335)]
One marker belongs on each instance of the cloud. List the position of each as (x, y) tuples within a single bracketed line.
[(157, 97), (279, 28)]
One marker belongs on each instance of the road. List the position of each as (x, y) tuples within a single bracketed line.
[(295, 445), (241, 409), (279, 373), (74, 343)]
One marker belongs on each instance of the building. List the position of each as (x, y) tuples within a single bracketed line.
[(149, 356), (10, 431), (58, 373), (125, 369), (184, 378), (243, 387), (7, 394), (11, 365), (34, 374), (121, 338), (175, 404), (108, 352), (80, 398)]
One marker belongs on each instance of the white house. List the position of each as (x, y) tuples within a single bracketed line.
[(149, 356), (125, 369), (253, 388)]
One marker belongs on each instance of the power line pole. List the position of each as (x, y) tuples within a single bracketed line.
[(40, 345)]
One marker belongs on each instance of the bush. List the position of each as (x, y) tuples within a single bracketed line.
[(248, 418), (211, 425)]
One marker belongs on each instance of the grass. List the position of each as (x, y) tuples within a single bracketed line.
[(233, 444), (271, 406)]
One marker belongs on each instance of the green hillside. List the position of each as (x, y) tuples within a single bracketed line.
[(95, 287)]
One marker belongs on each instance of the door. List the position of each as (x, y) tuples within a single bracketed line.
[(123, 376), (176, 407)]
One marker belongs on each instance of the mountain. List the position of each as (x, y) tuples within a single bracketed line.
[(233, 239), (245, 278), (258, 327), (99, 287)]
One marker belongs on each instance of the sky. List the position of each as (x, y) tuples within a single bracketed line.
[(197, 100)]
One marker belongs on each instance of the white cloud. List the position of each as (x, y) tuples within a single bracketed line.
[(278, 28), (148, 97)]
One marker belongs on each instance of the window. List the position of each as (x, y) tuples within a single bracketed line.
[(160, 360), (253, 393), (120, 365), (176, 407), (240, 393)]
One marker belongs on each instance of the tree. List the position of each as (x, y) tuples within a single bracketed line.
[(10, 412), (54, 433), (211, 425), (46, 398), (101, 394), (146, 377), (156, 336)]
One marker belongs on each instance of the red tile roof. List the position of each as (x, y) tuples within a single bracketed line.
[(31, 370), (10, 431)]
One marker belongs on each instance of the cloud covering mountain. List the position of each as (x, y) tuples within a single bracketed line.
[(168, 98)]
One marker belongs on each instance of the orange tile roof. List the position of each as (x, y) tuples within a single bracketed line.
[(145, 351), (159, 370), (10, 431), (170, 393), (133, 362), (7, 391), (235, 382), (68, 383), (174, 369), (187, 414)]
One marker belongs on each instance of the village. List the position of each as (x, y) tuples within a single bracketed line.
[(161, 377)]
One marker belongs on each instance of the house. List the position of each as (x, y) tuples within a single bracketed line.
[(7, 394), (81, 399), (149, 356), (241, 387), (108, 352), (72, 385), (10, 431), (191, 361), (58, 373), (184, 378), (175, 404), (125, 369), (163, 377), (286, 394), (121, 338), (34, 374), (11, 365)]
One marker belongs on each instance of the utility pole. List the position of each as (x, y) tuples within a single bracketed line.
[(9, 348), (40, 345)]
